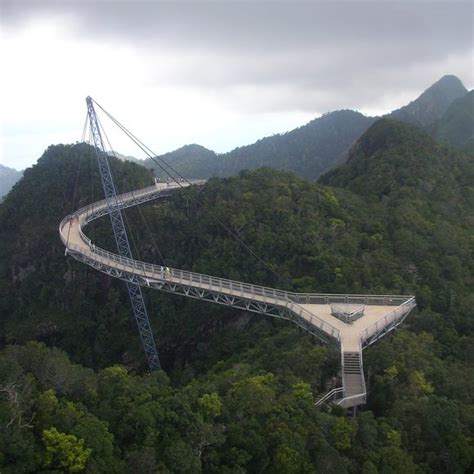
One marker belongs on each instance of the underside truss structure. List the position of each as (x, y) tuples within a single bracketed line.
[(300, 308)]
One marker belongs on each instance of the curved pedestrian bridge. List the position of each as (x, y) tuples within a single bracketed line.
[(311, 311)]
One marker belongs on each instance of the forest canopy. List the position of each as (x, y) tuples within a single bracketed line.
[(237, 393)]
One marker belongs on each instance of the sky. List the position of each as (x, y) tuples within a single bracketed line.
[(221, 74)]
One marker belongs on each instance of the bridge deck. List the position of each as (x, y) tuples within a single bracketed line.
[(381, 313), (350, 333)]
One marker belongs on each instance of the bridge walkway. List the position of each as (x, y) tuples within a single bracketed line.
[(310, 311)]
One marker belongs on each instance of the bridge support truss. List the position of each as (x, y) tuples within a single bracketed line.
[(121, 239)]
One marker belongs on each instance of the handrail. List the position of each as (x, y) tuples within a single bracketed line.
[(299, 298), (361, 396), (364, 387), (90, 211), (331, 394), (397, 313), (152, 271), (290, 300), (363, 393)]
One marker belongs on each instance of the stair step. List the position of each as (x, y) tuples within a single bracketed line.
[(353, 378)]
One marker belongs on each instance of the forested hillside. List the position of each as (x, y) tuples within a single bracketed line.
[(432, 103), (193, 161), (238, 395), (308, 151), (456, 126), (41, 296), (444, 110)]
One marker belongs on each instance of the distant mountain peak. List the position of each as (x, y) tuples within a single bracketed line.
[(194, 146), (449, 80), (5, 169), (387, 133), (8, 178), (390, 155), (432, 103)]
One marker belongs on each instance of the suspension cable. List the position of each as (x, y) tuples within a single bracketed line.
[(138, 207), (150, 153), (91, 161), (162, 164), (84, 129)]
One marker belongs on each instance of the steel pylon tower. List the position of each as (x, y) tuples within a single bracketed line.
[(121, 239)]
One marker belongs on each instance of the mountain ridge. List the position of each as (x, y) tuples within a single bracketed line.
[(456, 126), (321, 144), (432, 103), (8, 178), (308, 150), (393, 156)]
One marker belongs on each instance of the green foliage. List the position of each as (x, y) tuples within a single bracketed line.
[(397, 218), (341, 432), (308, 151), (456, 126), (44, 295), (210, 404), (303, 390), (432, 103), (192, 161), (445, 110), (64, 452)]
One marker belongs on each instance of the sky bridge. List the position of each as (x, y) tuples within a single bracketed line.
[(352, 321)]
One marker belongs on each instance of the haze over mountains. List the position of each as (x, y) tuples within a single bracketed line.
[(8, 178), (432, 104), (323, 143), (445, 110)]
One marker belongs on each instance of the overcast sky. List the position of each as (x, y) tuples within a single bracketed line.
[(221, 74)]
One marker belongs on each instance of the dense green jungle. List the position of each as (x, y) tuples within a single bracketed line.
[(237, 390)]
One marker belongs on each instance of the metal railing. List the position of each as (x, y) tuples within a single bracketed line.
[(388, 319), (183, 277), (318, 298), (289, 300), (364, 387), (353, 400), (331, 395)]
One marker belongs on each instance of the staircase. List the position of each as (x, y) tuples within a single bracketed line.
[(353, 392), (353, 379)]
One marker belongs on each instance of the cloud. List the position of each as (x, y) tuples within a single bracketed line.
[(197, 66)]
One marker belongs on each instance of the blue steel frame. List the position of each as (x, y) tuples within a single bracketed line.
[(121, 239)]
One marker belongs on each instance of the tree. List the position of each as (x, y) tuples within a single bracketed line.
[(210, 404), (63, 451), (342, 431)]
